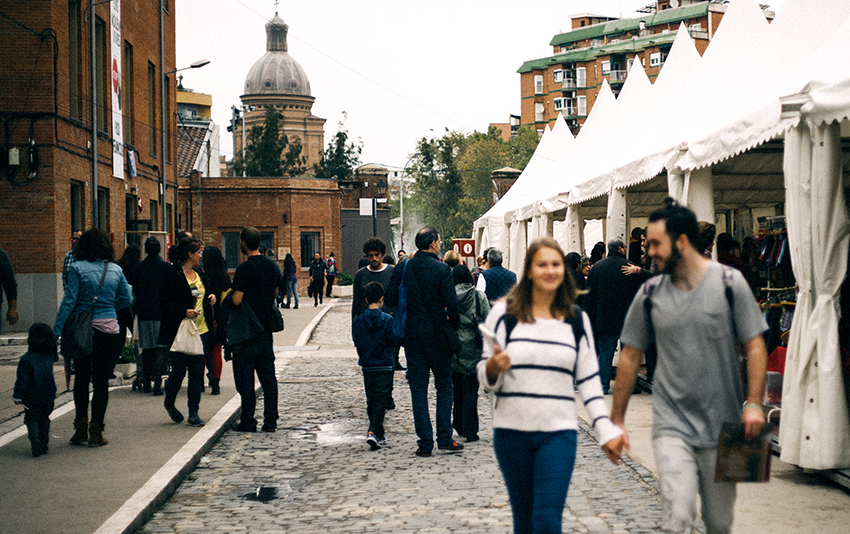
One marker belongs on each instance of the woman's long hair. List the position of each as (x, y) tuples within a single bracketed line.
[(288, 260), (520, 302), (215, 269), (180, 252), (94, 245)]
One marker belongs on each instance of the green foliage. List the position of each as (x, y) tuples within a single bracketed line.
[(341, 157), (453, 185), (269, 151), (128, 354), (344, 279)]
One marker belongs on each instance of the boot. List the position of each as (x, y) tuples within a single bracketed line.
[(35, 438), (44, 434), (214, 385), (157, 387), (81, 431), (96, 438)]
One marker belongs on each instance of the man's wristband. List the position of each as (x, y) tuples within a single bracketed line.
[(752, 405)]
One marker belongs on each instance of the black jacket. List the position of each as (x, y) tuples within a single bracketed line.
[(610, 294), (176, 299), (431, 299)]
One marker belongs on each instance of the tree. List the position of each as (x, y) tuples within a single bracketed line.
[(269, 151), (341, 157)]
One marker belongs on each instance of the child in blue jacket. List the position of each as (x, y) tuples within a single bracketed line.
[(35, 387), (373, 337)]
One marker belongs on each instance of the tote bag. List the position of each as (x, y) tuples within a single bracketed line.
[(188, 340)]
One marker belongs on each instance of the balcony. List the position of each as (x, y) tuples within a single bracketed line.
[(568, 84), (569, 112), (698, 34), (617, 76)]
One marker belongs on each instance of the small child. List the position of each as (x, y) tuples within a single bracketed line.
[(35, 386), (373, 337)]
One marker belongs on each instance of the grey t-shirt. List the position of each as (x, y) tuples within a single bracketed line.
[(697, 384)]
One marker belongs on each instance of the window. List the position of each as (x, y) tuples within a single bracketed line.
[(560, 103), (606, 67), (102, 75), (539, 111), (655, 59), (153, 210), (538, 84), (77, 189), (559, 76), (103, 209), (582, 105), (168, 218), (130, 216), (309, 247), (230, 244), (129, 115), (581, 77), (151, 109), (74, 59), (167, 145)]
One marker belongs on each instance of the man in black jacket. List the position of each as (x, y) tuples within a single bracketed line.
[(431, 309), (495, 281), (610, 294)]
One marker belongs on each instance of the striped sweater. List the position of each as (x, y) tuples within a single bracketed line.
[(537, 394)]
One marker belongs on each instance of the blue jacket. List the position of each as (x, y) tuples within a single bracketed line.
[(499, 282), (83, 279), (35, 385), (373, 337)]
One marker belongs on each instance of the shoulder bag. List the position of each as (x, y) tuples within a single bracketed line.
[(77, 330), (188, 340)]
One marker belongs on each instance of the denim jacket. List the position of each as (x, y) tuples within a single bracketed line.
[(83, 279)]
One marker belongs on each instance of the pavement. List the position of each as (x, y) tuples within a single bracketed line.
[(316, 473)]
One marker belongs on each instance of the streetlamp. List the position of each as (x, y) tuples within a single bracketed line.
[(401, 197), (381, 191), (162, 187)]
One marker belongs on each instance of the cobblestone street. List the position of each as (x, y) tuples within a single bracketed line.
[(316, 474)]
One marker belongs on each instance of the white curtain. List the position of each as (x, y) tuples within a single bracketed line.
[(815, 428), (615, 227), (518, 245), (574, 240)]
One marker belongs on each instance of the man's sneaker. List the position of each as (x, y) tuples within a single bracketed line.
[(453, 446), (372, 441), (174, 413), (422, 453), (269, 427), (382, 441), (239, 427), (194, 420)]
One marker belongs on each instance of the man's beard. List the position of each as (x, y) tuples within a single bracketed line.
[(672, 261)]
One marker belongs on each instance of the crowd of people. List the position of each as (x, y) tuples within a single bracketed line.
[(537, 344)]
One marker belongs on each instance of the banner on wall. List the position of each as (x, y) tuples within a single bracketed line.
[(116, 45)]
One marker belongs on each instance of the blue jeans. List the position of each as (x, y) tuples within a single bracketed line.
[(421, 360), (606, 345), (291, 289), (537, 467)]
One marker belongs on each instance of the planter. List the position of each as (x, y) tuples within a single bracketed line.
[(127, 370), (343, 291)]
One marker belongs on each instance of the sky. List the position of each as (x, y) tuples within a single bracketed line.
[(400, 70)]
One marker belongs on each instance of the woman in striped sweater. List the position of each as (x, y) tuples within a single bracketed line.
[(534, 369)]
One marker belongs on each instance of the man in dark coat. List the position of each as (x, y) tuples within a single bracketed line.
[(495, 281), (431, 308), (610, 292)]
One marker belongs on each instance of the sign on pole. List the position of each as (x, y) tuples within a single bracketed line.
[(464, 247)]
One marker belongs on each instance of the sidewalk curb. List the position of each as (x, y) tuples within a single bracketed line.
[(161, 486)]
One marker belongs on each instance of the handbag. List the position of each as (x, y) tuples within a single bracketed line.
[(188, 340), (77, 331), (400, 318)]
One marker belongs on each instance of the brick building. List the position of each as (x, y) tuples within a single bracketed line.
[(51, 188), (367, 182), (603, 48)]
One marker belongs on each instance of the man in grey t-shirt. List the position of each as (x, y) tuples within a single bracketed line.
[(697, 383)]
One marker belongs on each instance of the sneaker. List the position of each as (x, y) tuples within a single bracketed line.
[(381, 441), (454, 446), (422, 453), (269, 427), (372, 441), (194, 420), (174, 413), (239, 427)]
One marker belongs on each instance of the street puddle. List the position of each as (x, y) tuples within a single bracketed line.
[(261, 494), (330, 434)]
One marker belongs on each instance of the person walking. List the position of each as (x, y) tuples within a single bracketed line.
[(330, 274), (290, 279), (35, 387), (10, 286), (218, 282), (473, 308), (94, 255), (317, 271), (69, 258), (538, 352), (687, 313), (255, 285), (431, 307), (185, 296), (147, 279), (495, 281)]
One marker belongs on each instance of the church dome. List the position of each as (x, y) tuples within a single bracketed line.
[(277, 73)]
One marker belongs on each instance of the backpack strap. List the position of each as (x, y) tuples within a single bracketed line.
[(730, 296), (649, 288)]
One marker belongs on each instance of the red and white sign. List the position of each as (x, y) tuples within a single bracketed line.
[(464, 247)]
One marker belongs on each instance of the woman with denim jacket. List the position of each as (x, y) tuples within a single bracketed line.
[(94, 253)]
